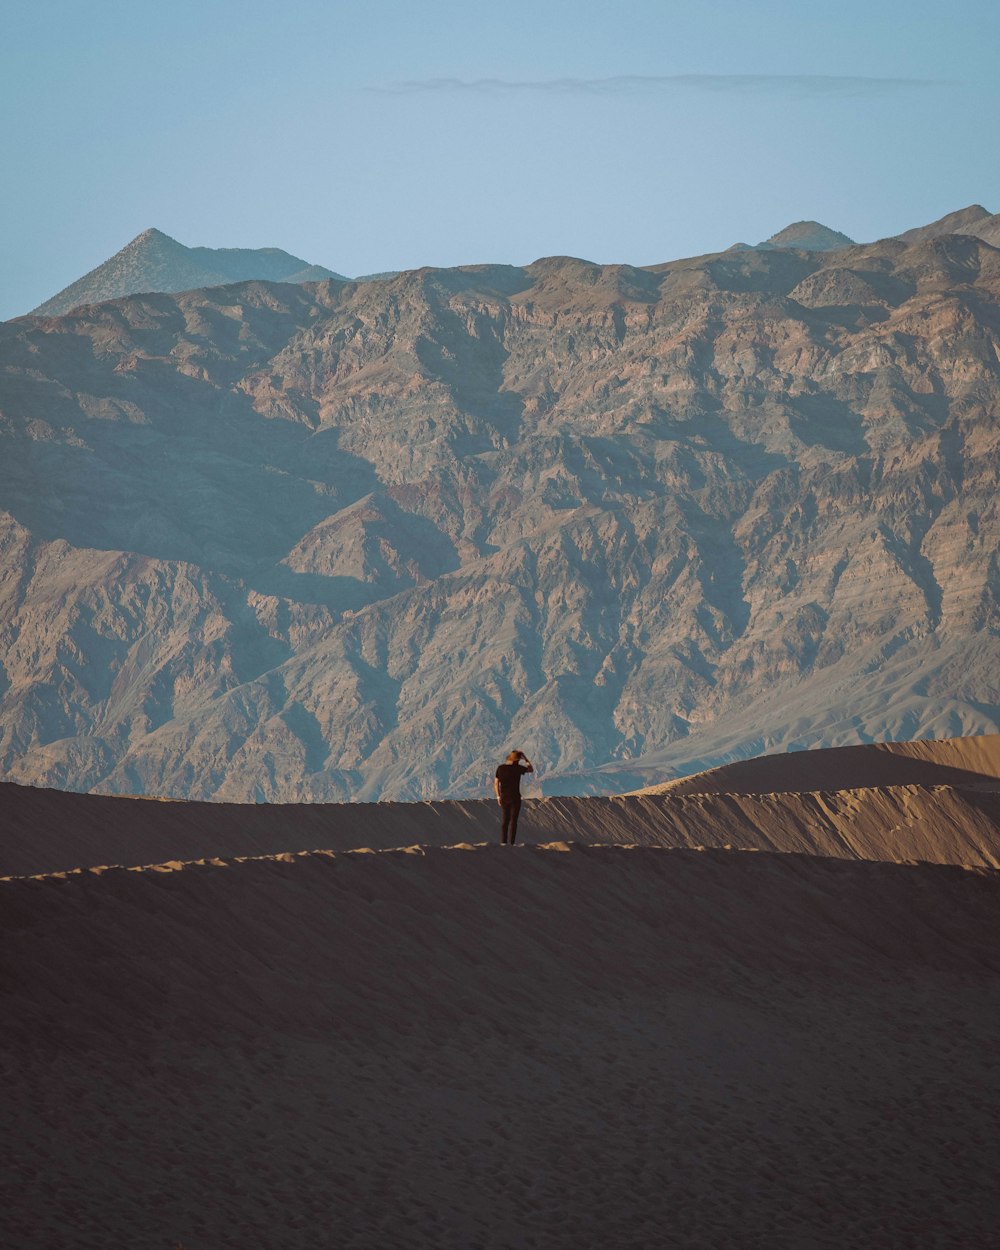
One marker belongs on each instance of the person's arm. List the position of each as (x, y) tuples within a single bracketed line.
[(527, 765), (496, 787)]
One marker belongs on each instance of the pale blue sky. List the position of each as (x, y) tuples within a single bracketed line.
[(384, 135)]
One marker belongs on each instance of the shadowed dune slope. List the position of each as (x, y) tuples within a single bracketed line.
[(969, 762), (561, 1047), (51, 830)]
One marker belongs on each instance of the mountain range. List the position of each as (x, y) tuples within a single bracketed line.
[(153, 261), (354, 540)]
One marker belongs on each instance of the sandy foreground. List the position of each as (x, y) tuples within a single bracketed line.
[(578, 1044)]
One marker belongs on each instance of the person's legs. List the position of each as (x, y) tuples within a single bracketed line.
[(506, 812), (515, 807)]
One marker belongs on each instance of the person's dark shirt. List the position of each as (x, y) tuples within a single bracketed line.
[(509, 776)]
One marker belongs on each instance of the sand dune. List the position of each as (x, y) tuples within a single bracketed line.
[(47, 830), (898, 823), (562, 1047), (973, 763), (51, 830), (603, 1038)]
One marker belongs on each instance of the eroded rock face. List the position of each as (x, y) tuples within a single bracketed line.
[(356, 540)]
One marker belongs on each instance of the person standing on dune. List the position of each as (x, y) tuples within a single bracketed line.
[(507, 785)]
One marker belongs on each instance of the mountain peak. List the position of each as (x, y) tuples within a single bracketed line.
[(972, 220), (152, 235), (808, 236), (154, 261)]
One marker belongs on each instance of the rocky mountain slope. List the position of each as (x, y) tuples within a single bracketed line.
[(974, 220), (352, 541), (153, 261)]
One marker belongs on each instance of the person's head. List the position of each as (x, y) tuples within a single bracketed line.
[(514, 756)]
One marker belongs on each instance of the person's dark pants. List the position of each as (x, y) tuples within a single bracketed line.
[(510, 809)]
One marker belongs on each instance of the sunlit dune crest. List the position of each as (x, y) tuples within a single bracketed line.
[(972, 763)]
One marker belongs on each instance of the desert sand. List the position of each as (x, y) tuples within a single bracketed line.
[(571, 1043), (938, 801), (972, 763)]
